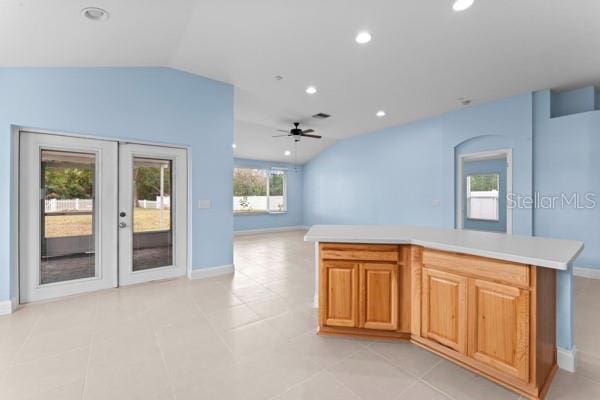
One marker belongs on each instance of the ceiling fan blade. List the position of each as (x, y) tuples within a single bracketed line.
[(308, 131), (280, 130), (312, 136), (282, 135)]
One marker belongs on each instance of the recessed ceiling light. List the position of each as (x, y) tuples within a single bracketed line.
[(95, 14), (363, 37), (287, 153), (461, 5), (233, 146), (311, 90), (380, 113)]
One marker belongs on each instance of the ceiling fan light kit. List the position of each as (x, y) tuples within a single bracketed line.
[(298, 133)]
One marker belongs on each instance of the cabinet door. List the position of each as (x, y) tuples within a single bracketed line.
[(378, 296), (339, 293), (444, 309), (499, 327)]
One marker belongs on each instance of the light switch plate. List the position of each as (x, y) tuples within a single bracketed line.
[(204, 204)]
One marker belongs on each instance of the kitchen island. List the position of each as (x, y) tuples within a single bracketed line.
[(486, 301)]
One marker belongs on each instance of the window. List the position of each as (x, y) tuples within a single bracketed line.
[(482, 197), (277, 190), (259, 190)]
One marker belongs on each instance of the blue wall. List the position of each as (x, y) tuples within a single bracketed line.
[(397, 176), (572, 101), (292, 217), (150, 104), (566, 160), (405, 174)]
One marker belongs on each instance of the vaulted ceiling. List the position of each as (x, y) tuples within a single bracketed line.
[(423, 56)]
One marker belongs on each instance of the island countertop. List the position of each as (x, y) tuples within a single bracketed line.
[(544, 252)]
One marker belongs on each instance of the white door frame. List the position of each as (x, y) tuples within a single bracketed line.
[(105, 210), (479, 156), (179, 211), (15, 187)]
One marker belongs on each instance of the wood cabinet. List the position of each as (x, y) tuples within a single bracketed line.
[(444, 308), (378, 296), (359, 287), (499, 327), (478, 312), (339, 293)]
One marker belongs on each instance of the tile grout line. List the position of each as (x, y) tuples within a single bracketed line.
[(436, 389), (164, 361), (321, 370), (92, 341), (13, 359), (328, 370), (212, 326), (297, 384)]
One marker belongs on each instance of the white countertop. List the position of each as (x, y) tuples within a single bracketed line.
[(543, 252)]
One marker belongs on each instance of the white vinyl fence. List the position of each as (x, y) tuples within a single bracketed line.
[(55, 205), (258, 203), (155, 204), (66, 205), (483, 205)]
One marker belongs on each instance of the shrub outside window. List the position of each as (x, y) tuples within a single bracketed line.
[(259, 190)]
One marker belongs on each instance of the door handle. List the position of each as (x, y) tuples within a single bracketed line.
[(122, 225)]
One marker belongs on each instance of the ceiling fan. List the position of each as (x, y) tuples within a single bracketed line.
[(297, 133)]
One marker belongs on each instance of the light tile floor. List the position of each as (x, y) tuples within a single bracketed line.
[(248, 336)]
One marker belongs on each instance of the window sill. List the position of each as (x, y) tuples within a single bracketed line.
[(258, 213), (482, 219)]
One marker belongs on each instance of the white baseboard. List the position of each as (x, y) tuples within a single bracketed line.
[(269, 230), (593, 273), (8, 306), (203, 273), (567, 359)]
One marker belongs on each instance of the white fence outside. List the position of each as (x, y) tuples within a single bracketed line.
[(483, 205), (258, 204), (65, 205), (155, 204)]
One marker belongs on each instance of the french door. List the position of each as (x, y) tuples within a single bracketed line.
[(95, 214), (152, 233)]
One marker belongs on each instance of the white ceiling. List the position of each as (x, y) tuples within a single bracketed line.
[(422, 58)]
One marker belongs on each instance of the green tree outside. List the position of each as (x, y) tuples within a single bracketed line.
[(483, 183)]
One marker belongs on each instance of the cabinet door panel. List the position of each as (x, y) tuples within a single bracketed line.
[(339, 298), (444, 312), (379, 296), (499, 327)]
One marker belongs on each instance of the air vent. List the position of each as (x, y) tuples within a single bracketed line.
[(321, 116)]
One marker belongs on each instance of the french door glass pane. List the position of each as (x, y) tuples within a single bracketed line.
[(152, 211), (67, 221)]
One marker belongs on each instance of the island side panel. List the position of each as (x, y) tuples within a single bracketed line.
[(405, 285), (416, 265), (564, 315), (544, 329), (317, 268)]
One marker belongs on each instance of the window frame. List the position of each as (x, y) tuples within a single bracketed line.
[(268, 173), (284, 173)]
